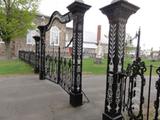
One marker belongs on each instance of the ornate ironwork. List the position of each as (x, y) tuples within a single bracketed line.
[(66, 74), (117, 13), (136, 85), (61, 18), (37, 53), (42, 52), (43, 29), (156, 103), (28, 57), (78, 10), (51, 67), (112, 36)]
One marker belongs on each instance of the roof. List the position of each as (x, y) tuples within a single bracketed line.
[(90, 40)]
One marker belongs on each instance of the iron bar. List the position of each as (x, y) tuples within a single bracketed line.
[(37, 52), (138, 45), (59, 65), (42, 52), (149, 91)]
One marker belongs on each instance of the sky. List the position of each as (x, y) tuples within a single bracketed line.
[(147, 18)]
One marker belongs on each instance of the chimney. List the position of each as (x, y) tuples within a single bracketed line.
[(98, 34)]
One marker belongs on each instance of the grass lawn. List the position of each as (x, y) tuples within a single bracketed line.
[(13, 67), (89, 67)]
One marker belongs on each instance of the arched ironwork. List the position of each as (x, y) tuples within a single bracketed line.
[(73, 86)]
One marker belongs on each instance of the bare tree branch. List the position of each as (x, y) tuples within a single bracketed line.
[(5, 2), (13, 3)]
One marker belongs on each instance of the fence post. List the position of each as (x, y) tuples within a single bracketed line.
[(42, 52), (59, 65), (78, 10), (118, 13), (37, 53)]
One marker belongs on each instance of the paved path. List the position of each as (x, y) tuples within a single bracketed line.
[(28, 98)]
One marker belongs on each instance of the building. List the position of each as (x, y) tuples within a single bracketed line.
[(58, 35)]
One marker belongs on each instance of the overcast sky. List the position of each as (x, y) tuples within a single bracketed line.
[(147, 17)]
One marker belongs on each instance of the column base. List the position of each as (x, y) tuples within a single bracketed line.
[(41, 76), (107, 117), (76, 99)]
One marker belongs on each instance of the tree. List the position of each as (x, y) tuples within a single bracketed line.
[(16, 17)]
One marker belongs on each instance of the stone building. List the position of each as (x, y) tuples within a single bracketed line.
[(57, 36)]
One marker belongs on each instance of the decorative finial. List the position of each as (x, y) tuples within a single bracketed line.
[(81, 1), (43, 20), (113, 1)]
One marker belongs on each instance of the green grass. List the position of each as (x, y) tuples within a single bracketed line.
[(89, 67), (14, 67)]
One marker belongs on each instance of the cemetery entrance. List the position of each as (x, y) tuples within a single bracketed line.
[(122, 86), (56, 65)]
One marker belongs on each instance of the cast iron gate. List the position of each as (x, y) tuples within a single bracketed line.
[(58, 69), (130, 95), (55, 66)]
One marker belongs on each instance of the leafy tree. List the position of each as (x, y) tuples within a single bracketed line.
[(16, 17)]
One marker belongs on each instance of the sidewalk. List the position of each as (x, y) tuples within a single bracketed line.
[(28, 98)]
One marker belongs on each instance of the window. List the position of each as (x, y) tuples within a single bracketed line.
[(30, 39), (54, 36)]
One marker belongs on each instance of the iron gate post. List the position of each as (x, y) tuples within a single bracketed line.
[(59, 65), (37, 48), (78, 10), (42, 52), (118, 13)]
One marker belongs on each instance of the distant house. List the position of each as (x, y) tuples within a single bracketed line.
[(90, 44), (55, 36)]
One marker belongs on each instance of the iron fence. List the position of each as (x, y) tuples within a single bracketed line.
[(58, 67), (28, 57), (141, 92)]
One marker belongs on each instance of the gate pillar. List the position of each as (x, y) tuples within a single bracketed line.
[(118, 13), (78, 10), (42, 52), (37, 53)]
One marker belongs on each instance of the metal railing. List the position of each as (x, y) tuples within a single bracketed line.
[(58, 68), (141, 92), (28, 57)]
